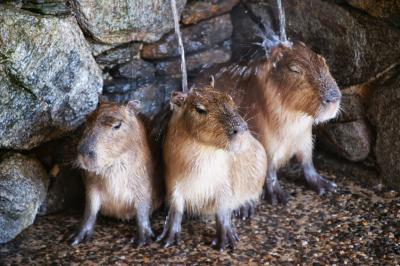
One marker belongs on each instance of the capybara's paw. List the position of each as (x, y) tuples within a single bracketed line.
[(226, 238), (274, 194), (169, 238), (246, 211), (321, 185), (80, 236)]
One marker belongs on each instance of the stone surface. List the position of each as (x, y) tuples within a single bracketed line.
[(152, 96), (23, 185), (196, 11), (388, 10), (118, 55), (350, 140), (384, 115), (125, 21), (54, 7), (194, 62), (352, 108), (136, 69), (348, 40), (246, 33), (198, 37), (49, 80)]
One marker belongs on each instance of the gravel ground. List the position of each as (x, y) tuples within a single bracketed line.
[(356, 225)]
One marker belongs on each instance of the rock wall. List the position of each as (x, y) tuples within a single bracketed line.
[(58, 57)]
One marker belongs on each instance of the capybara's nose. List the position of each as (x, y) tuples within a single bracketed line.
[(237, 129), (332, 96), (85, 149)]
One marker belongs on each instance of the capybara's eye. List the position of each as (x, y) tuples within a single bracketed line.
[(201, 109), (117, 126), (295, 69)]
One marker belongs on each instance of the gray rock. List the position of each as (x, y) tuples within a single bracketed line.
[(119, 55), (49, 80), (54, 8), (384, 113), (136, 69), (23, 185), (350, 140), (195, 38), (196, 11), (348, 40), (388, 10), (194, 62), (352, 108), (152, 96), (120, 21)]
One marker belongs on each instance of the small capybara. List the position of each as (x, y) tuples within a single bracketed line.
[(119, 171), (213, 164), (282, 97)]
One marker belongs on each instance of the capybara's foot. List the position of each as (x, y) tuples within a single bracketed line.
[(144, 238), (320, 184), (274, 193), (169, 238), (246, 211), (80, 236), (226, 238)]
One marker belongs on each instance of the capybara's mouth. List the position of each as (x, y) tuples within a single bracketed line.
[(327, 111), (86, 163), (237, 142)]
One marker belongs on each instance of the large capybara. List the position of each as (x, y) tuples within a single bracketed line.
[(282, 97), (119, 170), (213, 164)]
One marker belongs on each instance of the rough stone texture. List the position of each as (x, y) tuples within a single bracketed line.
[(352, 108), (388, 10), (119, 55), (195, 38), (125, 21), (351, 140), (384, 115), (246, 33), (152, 96), (196, 11), (23, 185), (194, 62), (136, 69), (49, 80), (50, 7), (356, 46)]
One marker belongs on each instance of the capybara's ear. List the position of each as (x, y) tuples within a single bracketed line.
[(178, 98), (133, 105)]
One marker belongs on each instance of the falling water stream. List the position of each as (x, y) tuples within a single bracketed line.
[(282, 26), (181, 49)]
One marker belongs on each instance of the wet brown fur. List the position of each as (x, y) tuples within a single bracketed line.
[(203, 175), (122, 175)]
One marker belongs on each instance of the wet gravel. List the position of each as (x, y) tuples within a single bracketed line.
[(355, 226)]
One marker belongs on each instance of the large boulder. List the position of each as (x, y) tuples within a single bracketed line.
[(388, 10), (49, 80), (384, 115), (23, 185), (124, 21), (356, 46), (198, 37)]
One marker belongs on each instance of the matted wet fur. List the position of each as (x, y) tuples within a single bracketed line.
[(281, 98), (213, 163), (119, 170)]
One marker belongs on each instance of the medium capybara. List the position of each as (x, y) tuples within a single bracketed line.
[(213, 164), (282, 97), (119, 170)]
